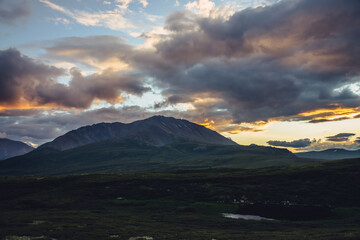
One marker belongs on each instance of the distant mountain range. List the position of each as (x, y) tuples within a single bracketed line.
[(156, 144), (330, 154), (10, 148)]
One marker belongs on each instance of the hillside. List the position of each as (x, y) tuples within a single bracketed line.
[(131, 156), (10, 148)]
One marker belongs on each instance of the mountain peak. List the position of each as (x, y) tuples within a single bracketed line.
[(156, 131)]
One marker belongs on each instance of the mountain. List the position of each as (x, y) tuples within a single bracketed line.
[(10, 148), (155, 131), (156, 144), (330, 154)]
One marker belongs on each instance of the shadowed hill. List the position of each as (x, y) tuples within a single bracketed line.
[(124, 156), (10, 148), (330, 154)]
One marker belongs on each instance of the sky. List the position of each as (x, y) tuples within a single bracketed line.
[(283, 73)]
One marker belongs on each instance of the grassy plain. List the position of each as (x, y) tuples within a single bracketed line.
[(181, 205)]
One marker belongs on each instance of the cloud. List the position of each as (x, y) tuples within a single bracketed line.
[(202, 7), (357, 140), (20, 112), (100, 52), (13, 11), (270, 62), (110, 19), (144, 3), (234, 62), (124, 4), (301, 143), (341, 137), (328, 120), (58, 21), (320, 146), (25, 80), (20, 76), (275, 62)]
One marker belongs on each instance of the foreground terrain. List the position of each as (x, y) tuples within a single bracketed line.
[(182, 205)]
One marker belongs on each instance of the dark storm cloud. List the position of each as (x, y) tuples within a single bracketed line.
[(19, 112), (21, 75), (267, 62), (11, 11), (301, 143), (324, 27), (82, 91), (172, 100), (341, 137), (24, 78)]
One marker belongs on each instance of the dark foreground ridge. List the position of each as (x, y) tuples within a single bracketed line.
[(187, 205)]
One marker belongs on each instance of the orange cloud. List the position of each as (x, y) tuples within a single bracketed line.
[(336, 114)]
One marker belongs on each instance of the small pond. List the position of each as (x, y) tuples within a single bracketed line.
[(246, 217)]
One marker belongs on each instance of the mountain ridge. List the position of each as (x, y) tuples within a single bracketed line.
[(10, 148), (330, 154)]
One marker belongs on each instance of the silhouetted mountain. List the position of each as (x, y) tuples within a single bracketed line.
[(330, 154), (10, 148), (154, 131), (156, 144)]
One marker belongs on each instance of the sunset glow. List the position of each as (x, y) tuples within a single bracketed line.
[(255, 71)]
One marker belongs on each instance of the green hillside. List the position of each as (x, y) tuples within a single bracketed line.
[(131, 156)]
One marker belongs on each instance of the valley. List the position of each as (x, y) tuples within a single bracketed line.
[(183, 204)]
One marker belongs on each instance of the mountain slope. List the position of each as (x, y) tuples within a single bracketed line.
[(330, 154), (155, 131), (10, 148), (131, 156)]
